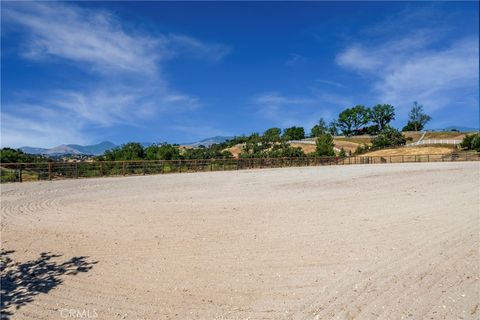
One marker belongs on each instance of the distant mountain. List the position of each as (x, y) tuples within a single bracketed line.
[(94, 149), (207, 142), (100, 148), (33, 150)]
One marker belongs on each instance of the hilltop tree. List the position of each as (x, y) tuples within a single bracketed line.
[(272, 135), (319, 129), (254, 144), (332, 128), (324, 145), (162, 152), (352, 119), (293, 133), (389, 137), (129, 151), (381, 115), (417, 118)]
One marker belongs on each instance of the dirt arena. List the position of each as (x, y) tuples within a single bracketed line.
[(397, 241)]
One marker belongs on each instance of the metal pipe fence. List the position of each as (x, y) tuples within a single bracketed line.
[(19, 172)]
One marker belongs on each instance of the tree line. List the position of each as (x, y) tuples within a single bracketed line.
[(275, 142), (360, 120)]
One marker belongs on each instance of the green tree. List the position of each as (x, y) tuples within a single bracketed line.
[(471, 142), (410, 126), (389, 137), (382, 114), (129, 151), (163, 151), (324, 145), (284, 149), (9, 155), (293, 133), (253, 145), (350, 120), (319, 129), (417, 118), (333, 128), (272, 135)]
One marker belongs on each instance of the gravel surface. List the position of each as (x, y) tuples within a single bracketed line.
[(398, 241)]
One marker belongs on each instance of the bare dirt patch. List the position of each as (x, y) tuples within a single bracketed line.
[(342, 242)]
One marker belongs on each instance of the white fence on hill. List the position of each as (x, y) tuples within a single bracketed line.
[(434, 141)]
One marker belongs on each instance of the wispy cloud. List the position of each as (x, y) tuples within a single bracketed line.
[(419, 64), (282, 110), (124, 67), (40, 132), (331, 83), (182, 44), (193, 132), (91, 38), (296, 60)]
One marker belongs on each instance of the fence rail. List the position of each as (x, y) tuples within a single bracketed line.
[(434, 141), (19, 172)]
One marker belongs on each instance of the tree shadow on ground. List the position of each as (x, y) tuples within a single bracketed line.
[(21, 282)]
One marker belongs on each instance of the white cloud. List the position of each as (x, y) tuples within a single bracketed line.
[(193, 132), (47, 132), (435, 78), (416, 68), (99, 39), (296, 60), (83, 36), (125, 86), (332, 83), (183, 44), (282, 110)]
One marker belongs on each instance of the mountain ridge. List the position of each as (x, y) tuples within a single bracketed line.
[(100, 148), (94, 149)]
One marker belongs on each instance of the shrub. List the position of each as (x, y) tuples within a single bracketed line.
[(361, 149), (471, 142), (389, 137), (324, 145)]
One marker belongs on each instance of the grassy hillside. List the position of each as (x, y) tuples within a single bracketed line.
[(350, 144), (452, 135)]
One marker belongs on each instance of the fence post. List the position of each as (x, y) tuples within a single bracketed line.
[(49, 171), (20, 179), (76, 170), (123, 167), (143, 163), (428, 158)]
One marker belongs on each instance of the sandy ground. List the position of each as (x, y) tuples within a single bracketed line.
[(397, 241)]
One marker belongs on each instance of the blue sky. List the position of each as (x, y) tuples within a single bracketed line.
[(177, 71)]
